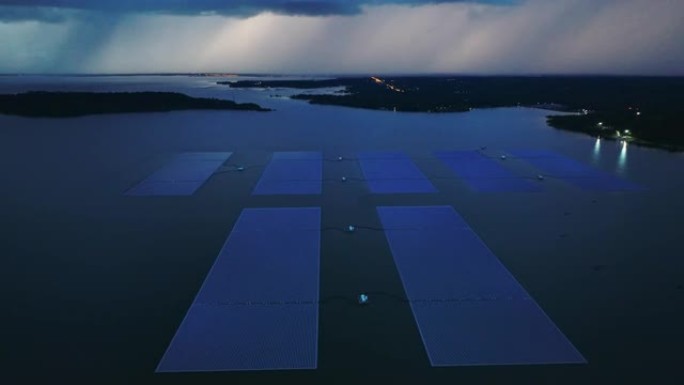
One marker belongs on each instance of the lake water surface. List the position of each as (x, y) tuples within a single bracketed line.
[(96, 283)]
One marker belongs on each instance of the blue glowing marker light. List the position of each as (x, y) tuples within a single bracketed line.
[(351, 229), (363, 299)]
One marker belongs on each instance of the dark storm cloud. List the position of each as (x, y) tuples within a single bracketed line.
[(49, 10), (527, 37), (230, 7), (43, 14)]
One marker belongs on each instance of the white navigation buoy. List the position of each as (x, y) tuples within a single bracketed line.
[(363, 299), (503, 157), (344, 179), (240, 168), (351, 228), (339, 158), (540, 177)]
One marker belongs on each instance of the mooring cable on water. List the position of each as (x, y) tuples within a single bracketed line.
[(365, 298)]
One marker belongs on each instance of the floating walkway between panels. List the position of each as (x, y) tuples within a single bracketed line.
[(258, 306)]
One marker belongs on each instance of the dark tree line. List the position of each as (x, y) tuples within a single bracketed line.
[(70, 104)]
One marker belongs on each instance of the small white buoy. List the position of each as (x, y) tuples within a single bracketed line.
[(344, 179), (503, 157), (351, 228), (339, 158), (241, 168), (363, 299), (540, 177)]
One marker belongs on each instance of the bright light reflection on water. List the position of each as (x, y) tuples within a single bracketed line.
[(622, 159), (597, 149)]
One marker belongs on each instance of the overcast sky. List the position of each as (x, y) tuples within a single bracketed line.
[(343, 36)]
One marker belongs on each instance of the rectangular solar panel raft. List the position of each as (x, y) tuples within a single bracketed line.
[(469, 309), (258, 306), (389, 172), (484, 174), (292, 173), (183, 175)]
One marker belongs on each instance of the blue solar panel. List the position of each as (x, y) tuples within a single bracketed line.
[(484, 174), (225, 338), (470, 310), (292, 173), (427, 217), (150, 188), (183, 175), (393, 172), (533, 153), (574, 172), (510, 331), (298, 155), (258, 306), (206, 155)]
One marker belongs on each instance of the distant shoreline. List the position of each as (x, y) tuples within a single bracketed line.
[(640, 110), (580, 124), (75, 104)]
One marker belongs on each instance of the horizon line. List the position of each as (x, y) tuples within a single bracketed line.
[(323, 74)]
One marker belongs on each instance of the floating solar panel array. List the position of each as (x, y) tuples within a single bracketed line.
[(258, 306), (183, 175), (574, 172), (291, 173), (484, 174), (468, 307), (393, 172)]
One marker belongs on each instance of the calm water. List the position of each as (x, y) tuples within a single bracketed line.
[(97, 283)]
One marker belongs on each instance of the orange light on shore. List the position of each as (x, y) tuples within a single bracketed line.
[(389, 86)]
